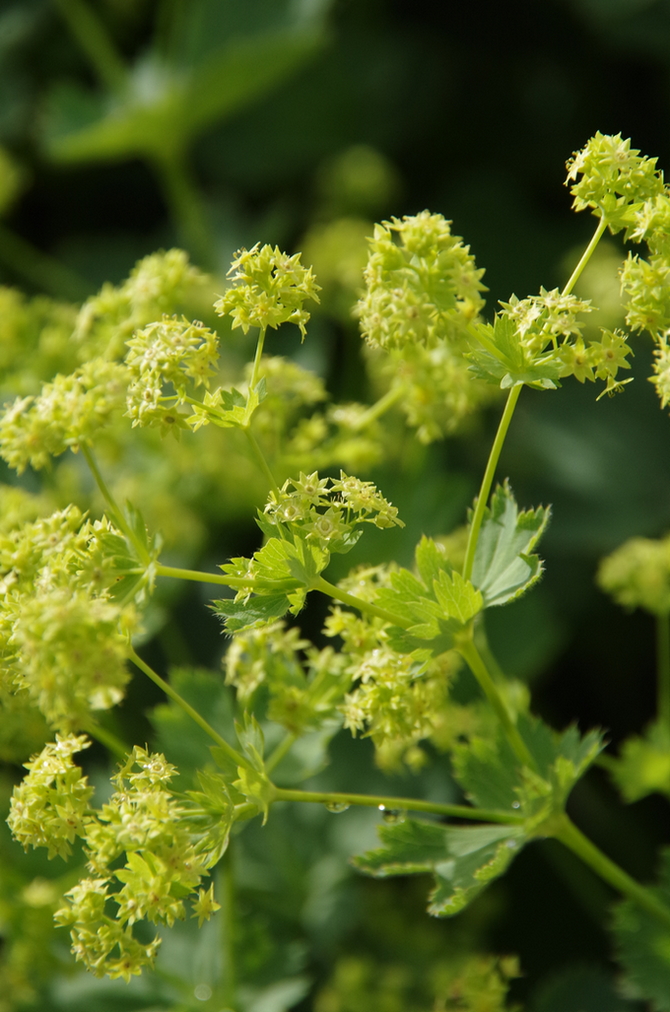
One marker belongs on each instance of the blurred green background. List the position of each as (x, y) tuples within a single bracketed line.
[(132, 125)]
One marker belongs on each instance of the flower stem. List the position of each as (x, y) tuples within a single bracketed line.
[(356, 602), (471, 655), (226, 581), (574, 840), (106, 738), (280, 751), (399, 804), (94, 41), (663, 667), (487, 480), (232, 753), (260, 460), (586, 256), (115, 512), (253, 382), (379, 408)]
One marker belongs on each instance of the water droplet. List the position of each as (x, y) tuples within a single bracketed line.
[(393, 815), (336, 806), (516, 804), (511, 844), (202, 992)]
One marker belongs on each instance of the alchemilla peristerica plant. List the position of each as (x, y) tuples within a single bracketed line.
[(95, 389)]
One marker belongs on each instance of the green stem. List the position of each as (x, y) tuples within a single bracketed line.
[(399, 804), (106, 738), (232, 753), (94, 41), (115, 511), (487, 480), (471, 655), (356, 602), (253, 382), (586, 256), (663, 667), (379, 408), (227, 897), (226, 581), (260, 460), (40, 269), (279, 752), (574, 839), (185, 205)]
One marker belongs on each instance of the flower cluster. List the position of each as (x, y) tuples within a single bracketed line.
[(637, 574), (69, 411), (394, 699), (64, 640), (49, 808), (420, 289), (327, 510), (302, 694), (268, 289), (164, 359), (142, 822), (158, 284), (609, 176), (35, 340)]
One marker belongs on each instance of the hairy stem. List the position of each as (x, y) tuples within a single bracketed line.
[(574, 839), (232, 753), (487, 480), (586, 256), (94, 41), (663, 667), (356, 602), (471, 655), (253, 382), (399, 804), (260, 460), (238, 582)]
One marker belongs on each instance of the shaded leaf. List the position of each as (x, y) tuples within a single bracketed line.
[(643, 942), (503, 568), (644, 765)]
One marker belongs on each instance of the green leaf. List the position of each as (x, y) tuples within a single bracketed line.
[(490, 775), (257, 611), (164, 107), (462, 858), (644, 765), (643, 942), (503, 568)]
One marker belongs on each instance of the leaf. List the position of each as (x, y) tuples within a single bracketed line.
[(257, 611), (163, 107), (503, 568), (643, 942), (490, 775), (462, 858), (457, 596), (644, 765)]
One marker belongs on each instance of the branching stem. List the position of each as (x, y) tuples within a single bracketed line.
[(487, 480), (400, 805), (232, 753), (586, 256), (94, 41), (574, 840), (356, 602)]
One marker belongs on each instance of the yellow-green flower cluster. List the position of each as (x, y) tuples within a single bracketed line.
[(609, 176), (49, 808), (268, 288), (421, 287), (637, 574), (143, 823), (160, 283), (304, 684), (68, 412), (165, 359), (64, 641), (394, 700)]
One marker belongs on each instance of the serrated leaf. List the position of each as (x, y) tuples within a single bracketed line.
[(503, 568), (643, 943), (462, 858), (457, 596), (490, 775), (431, 560), (257, 611)]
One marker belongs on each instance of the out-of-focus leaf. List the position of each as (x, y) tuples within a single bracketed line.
[(644, 945)]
